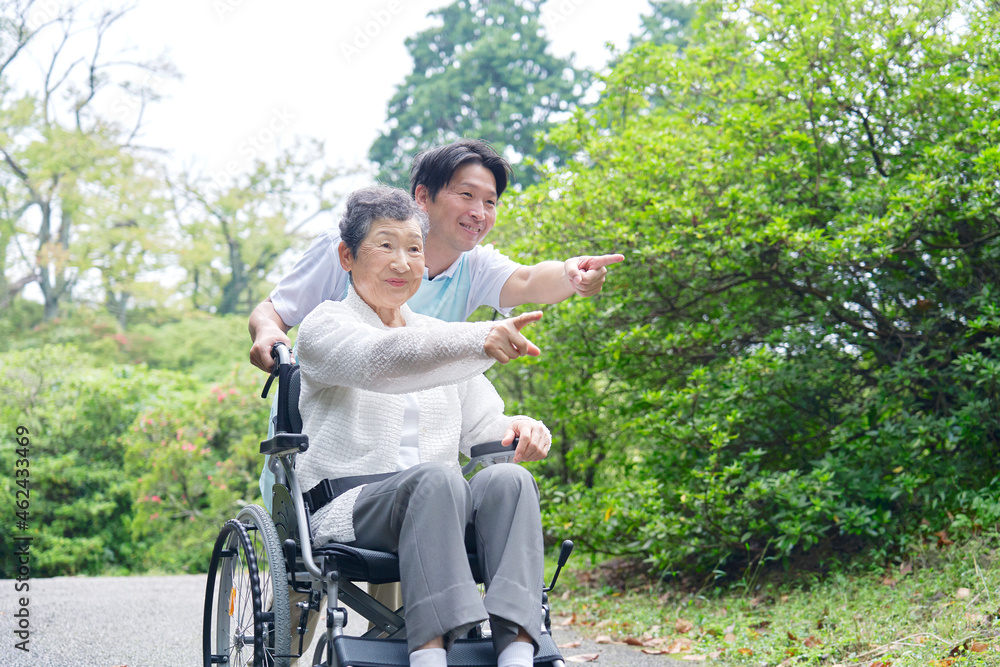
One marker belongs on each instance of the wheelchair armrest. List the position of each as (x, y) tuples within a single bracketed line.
[(489, 453), (285, 443)]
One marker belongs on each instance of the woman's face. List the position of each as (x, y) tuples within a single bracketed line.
[(390, 263)]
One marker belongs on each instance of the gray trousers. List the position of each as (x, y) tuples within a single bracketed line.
[(429, 516)]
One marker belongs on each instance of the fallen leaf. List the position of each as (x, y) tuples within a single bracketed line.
[(683, 626), (569, 620), (889, 581), (943, 540), (784, 598), (979, 647), (653, 651), (569, 645), (943, 662), (679, 645), (792, 637), (715, 654), (881, 663), (695, 657), (745, 651), (963, 593), (905, 568), (729, 638), (657, 641), (583, 657), (633, 641), (812, 642), (603, 639)]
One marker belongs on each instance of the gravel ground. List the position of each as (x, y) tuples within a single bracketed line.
[(156, 622)]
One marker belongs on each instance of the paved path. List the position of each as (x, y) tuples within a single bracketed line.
[(156, 622)]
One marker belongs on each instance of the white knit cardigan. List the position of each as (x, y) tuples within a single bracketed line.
[(355, 372)]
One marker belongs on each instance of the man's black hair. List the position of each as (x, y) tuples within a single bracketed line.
[(434, 167)]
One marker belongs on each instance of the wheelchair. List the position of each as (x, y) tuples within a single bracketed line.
[(259, 556)]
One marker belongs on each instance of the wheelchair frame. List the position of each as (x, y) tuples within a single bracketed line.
[(258, 556)]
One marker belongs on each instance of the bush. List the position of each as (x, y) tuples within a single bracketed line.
[(195, 462), (802, 344), (76, 416)]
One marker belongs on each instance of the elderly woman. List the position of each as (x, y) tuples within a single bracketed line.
[(389, 398)]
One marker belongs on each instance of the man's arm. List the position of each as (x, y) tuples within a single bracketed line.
[(266, 328), (552, 282)]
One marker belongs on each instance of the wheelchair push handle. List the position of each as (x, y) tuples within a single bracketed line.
[(283, 357), (281, 353)]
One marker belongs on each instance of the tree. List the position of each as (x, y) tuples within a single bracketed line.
[(802, 345), (235, 233), (128, 242), (669, 22), (484, 73), (57, 150)]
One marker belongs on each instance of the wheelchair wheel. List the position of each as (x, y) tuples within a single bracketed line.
[(273, 582), (246, 619)]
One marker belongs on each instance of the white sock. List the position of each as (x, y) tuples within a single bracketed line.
[(517, 654), (430, 657)]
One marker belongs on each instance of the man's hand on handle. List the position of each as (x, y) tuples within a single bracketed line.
[(505, 341), (586, 273), (260, 353), (534, 439), (266, 329)]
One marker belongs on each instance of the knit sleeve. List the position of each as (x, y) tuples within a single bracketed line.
[(334, 348)]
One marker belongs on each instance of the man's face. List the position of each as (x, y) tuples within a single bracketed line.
[(464, 210)]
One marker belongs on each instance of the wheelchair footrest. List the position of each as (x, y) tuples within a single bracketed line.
[(360, 652)]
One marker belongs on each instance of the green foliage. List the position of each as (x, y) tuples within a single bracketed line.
[(802, 343), (76, 414), (669, 22), (236, 229), (75, 195), (206, 347), (484, 72), (195, 463)]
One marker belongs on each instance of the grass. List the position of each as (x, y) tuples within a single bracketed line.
[(939, 608)]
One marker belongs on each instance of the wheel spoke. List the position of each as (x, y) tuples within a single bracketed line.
[(244, 582)]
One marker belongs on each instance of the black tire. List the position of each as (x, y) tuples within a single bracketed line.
[(273, 583), (237, 630)]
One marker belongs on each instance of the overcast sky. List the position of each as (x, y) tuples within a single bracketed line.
[(261, 73)]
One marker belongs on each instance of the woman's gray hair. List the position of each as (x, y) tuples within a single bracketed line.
[(378, 202)]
